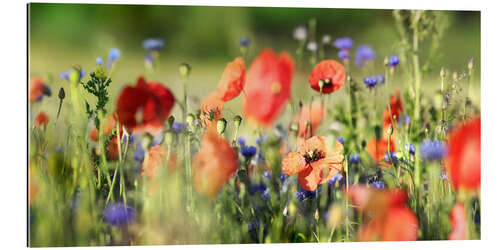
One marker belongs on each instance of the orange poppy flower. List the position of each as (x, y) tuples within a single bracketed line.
[(211, 111), (268, 87), (331, 72), (37, 89), (311, 159), (232, 80), (378, 149), (388, 217), (41, 119), (458, 222), (213, 165), (144, 107), (464, 155), (157, 155), (395, 111), (314, 114)]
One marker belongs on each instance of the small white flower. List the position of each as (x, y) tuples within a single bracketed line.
[(327, 39), (312, 46), (300, 33)]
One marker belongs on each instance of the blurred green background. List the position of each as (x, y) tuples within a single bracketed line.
[(64, 35)]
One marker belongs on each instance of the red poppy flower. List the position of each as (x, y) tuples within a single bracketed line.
[(144, 107), (395, 111), (331, 72), (268, 87), (311, 159), (464, 155), (41, 119), (458, 222), (378, 149), (232, 80), (213, 165), (37, 89), (112, 149), (211, 111), (314, 114), (388, 218)]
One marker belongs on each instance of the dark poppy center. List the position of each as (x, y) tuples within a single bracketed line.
[(313, 155)]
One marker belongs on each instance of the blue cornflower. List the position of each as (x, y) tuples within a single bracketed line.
[(266, 175), (380, 78), (370, 81), (394, 157), (241, 141), (343, 43), (377, 184), (354, 159), (139, 154), (257, 188), (248, 151), (244, 41), (393, 61), (153, 44), (364, 53), (306, 194), (343, 54), (114, 54), (266, 194), (410, 148), (282, 177), (341, 140), (338, 178), (178, 127), (99, 61), (131, 139), (432, 150), (407, 119), (118, 214)]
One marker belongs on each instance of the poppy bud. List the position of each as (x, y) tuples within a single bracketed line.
[(147, 140), (190, 120), (61, 94), (237, 121), (184, 69), (471, 64), (442, 73), (221, 126), (74, 75), (316, 215), (386, 61), (170, 122), (390, 130)]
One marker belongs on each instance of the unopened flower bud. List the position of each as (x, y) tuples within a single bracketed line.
[(386, 61), (221, 126), (471, 63), (184, 69), (169, 137), (190, 120), (74, 75), (237, 121), (61, 94), (170, 122), (390, 130), (147, 140)]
